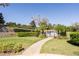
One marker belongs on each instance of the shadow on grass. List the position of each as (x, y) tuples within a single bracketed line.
[(11, 51), (75, 44)]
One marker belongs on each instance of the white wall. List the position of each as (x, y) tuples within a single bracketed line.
[(53, 34)]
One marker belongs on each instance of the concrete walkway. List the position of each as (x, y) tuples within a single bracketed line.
[(35, 48)]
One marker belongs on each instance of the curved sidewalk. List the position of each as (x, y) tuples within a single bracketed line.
[(35, 48)]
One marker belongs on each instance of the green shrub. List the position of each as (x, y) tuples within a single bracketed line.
[(74, 38), (10, 48), (42, 36), (25, 34), (17, 47), (16, 44), (5, 48), (21, 30), (63, 33)]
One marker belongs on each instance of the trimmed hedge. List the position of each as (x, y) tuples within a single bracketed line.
[(25, 34), (74, 38), (21, 30)]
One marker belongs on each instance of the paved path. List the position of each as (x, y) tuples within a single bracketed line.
[(35, 48)]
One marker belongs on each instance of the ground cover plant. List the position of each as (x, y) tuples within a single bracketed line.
[(16, 44)]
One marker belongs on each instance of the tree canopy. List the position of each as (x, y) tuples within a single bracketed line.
[(60, 28), (75, 26), (43, 24), (4, 4), (32, 24), (1, 19)]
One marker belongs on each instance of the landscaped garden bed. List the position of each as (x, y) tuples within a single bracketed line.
[(15, 45)]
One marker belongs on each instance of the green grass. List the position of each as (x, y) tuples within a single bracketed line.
[(57, 46), (24, 41)]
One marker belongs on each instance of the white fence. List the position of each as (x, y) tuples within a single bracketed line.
[(7, 34)]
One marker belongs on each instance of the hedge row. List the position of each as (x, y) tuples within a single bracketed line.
[(25, 34), (21, 30), (74, 38)]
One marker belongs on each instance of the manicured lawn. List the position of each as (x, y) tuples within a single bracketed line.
[(24, 41), (60, 46)]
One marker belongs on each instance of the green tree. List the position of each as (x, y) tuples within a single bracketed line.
[(43, 25), (1, 19), (69, 28), (1, 16), (4, 4), (19, 25), (61, 29), (75, 26), (50, 26), (32, 24), (11, 24)]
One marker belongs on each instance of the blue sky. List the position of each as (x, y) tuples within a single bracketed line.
[(56, 13)]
